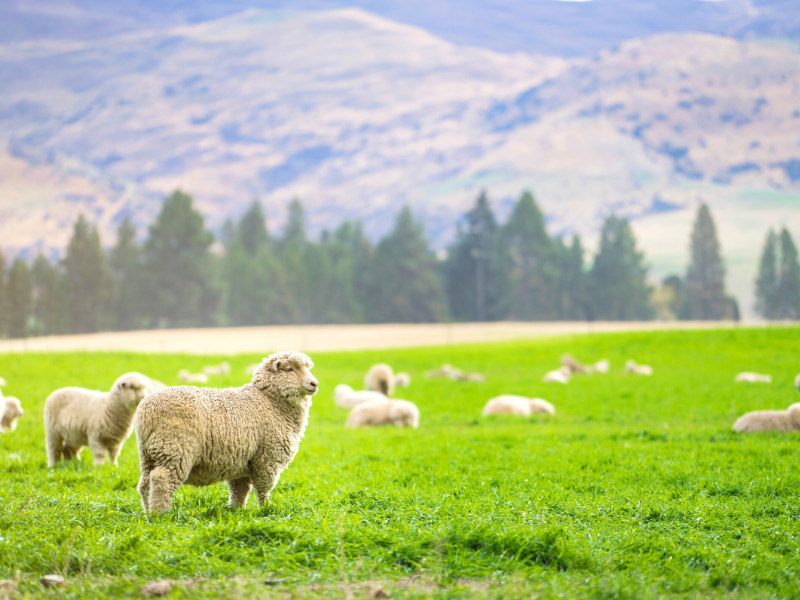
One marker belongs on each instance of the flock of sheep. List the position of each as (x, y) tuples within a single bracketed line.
[(246, 436)]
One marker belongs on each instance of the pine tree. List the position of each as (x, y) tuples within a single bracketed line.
[(3, 296), (20, 299), (293, 249), (87, 279), (126, 271), (477, 268), (404, 278), (49, 305), (252, 231), (767, 279), (619, 291), (178, 268), (788, 292), (705, 278), (571, 282)]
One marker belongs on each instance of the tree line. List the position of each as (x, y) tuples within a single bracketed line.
[(182, 276)]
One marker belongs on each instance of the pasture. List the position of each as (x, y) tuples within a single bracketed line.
[(635, 489)]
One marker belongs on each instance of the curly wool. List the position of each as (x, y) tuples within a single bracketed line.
[(77, 417), (380, 378), (517, 405), (10, 411), (400, 413), (245, 436), (769, 420)]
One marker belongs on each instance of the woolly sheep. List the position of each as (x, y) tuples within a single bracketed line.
[(574, 366), (602, 366), (402, 379), (636, 369), (222, 368), (749, 377), (517, 405), (769, 420), (346, 397), (184, 375), (76, 417), (10, 411), (399, 413), (380, 378), (245, 436), (558, 376)]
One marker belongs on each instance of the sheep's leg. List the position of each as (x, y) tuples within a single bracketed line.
[(113, 453), (98, 451), (264, 483), (144, 485), (68, 452), (55, 444), (163, 481), (240, 489)]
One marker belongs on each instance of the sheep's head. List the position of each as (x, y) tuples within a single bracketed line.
[(13, 410), (131, 388), (404, 414), (287, 372)]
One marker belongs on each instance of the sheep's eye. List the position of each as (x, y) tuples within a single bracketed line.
[(122, 385), (289, 369)]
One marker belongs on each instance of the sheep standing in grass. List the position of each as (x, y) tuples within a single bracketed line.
[(186, 376), (76, 417), (769, 420), (346, 397), (558, 376), (399, 413), (245, 436), (10, 411), (517, 405), (634, 368), (749, 377), (380, 378)]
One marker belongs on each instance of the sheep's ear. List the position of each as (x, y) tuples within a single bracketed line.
[(276, 366)]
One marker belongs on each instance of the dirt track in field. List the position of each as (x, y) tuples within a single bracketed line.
[(261, 340)]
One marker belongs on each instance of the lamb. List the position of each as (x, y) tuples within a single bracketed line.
[(222, 368), (346, 397), (402, 380), (380, 378), (10, 411), (769, 420), (400, 413), (636, 369), (749, 377), (602, 366), (76, 417), (558, 376), (184, 375), (245, 436), (574, 366), (517, 405)]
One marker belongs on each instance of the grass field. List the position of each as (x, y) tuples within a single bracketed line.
[(635, 489)]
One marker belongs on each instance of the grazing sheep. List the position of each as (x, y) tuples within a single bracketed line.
[(769, 420), (222, 368), (402, 379), (380, 378), (245, 436), (574, 366), (184, 375), (76, 417), (748, 377), (636, 369), (400, 413), (602, 366), (558, 376), (517, 405), (10, 411), (447, 371), (346, 397)]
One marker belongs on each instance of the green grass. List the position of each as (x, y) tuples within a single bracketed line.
[(637, 487)]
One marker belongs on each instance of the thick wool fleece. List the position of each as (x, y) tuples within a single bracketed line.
[(769, 420), (245, 436), (76, 417), (10, 411), (400, 413), (380, 378), (517, 405)]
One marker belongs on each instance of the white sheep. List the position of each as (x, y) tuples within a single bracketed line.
[(769, 420), (400, 413), (10, 411), (517, 405), (184, 375), (574, 366), (222, 368), (402, 380), (634, 368), (2, 382), (558, 376), (749, 377), (245, 436), (346, 397), (76, 417), (602, 366), (380, 378)]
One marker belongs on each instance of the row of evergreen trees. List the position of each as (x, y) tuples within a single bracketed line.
[(181, 277)]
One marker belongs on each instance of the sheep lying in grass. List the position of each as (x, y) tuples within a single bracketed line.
[(10, 411), (402, 380), (222, 368), (769, 420), (76, 417), (184, 375), (346, 397), (634, 368), (517, 405), (749, 377), (558, 376), (574, 366), (447, 371), (602, 366), (399, 413), (380, 378), (245, 436)]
